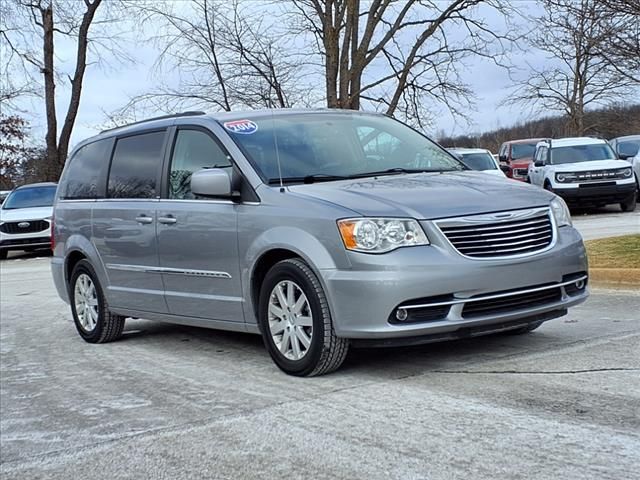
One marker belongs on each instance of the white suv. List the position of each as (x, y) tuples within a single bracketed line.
[(584, 172), (25, 218)]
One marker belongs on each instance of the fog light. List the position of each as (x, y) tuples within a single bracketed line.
[(401, 314), (580, 284)]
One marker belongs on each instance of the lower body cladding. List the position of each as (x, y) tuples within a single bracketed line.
[(601, 193), (425, 294)]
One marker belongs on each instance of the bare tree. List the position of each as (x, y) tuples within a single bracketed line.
[(31, 34), (15, 63), (224, 56), (580, 73), (623, 49), (399, 56)]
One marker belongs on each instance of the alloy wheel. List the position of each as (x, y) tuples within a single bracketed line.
[(290, 320), (86, 302)]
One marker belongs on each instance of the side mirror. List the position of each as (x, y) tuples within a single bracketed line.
[(539, 163), (211, 182), (502, 158), (505, 168)]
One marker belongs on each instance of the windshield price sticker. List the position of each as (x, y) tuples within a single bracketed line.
[(244, 127)]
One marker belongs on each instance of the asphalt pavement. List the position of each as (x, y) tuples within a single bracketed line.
[(606, 222), (172, 402)]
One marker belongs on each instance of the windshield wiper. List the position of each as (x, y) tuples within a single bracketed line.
[(317, 177), (396, 170), (325, 177)]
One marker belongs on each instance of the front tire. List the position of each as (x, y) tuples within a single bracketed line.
[(630, 204), (296, 323), (94, 322)]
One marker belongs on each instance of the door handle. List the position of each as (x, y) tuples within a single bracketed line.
[(168, 220), (144, 219)]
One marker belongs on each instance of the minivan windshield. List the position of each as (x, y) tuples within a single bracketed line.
[(30, 197), (315, 147), (581, 153)]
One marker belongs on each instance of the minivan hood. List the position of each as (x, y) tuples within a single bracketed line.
[(18, 214), (428, 196)]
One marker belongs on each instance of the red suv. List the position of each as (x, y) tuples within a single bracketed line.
[(517, 155)]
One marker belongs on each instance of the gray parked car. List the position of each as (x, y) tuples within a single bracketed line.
[(318, 230)]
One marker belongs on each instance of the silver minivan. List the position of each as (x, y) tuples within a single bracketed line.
[(318, 229)]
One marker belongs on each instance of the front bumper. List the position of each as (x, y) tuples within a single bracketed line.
[(520, 172), (596, 194), (29, 243), (364, 299), (26, 241)]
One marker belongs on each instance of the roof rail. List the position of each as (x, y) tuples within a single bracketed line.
[(162, 117)]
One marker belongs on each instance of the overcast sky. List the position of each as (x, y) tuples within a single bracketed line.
[(107, 89)]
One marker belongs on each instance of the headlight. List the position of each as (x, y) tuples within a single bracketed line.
[(565, 177), (379, 235), (626, 173), (560, 212)]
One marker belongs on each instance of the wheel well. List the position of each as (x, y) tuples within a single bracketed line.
[(264, 263), (72, 259)]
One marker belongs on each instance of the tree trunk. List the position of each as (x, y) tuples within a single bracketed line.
[(76, 84), (49, 90)]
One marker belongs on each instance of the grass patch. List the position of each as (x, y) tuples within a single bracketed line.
[(616, 252)]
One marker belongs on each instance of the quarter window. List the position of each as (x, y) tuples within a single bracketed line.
[(134, 168), (86, 173), (193, 151)]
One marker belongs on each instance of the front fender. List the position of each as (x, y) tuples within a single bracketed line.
[(296, 240)]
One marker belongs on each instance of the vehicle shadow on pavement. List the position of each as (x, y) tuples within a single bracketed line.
[(392, 362)]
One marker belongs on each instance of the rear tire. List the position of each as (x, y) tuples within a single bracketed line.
[(94, 322), (296, 324), (630, 204)]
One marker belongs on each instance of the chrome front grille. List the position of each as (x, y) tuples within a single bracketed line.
[(503, 234)]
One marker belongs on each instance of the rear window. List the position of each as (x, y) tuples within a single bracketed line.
[(135, 166), (86, 173), (30, 197)]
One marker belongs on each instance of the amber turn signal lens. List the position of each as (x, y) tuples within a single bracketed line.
[(346, 231)]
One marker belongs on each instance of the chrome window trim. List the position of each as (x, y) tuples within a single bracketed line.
[(161, 200), (494, 296), (507, 215)]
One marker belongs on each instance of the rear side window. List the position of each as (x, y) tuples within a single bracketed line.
[(86, 173), (135, 164)]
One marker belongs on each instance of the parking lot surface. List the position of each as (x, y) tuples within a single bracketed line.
[(178, 403), (606, 222)]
